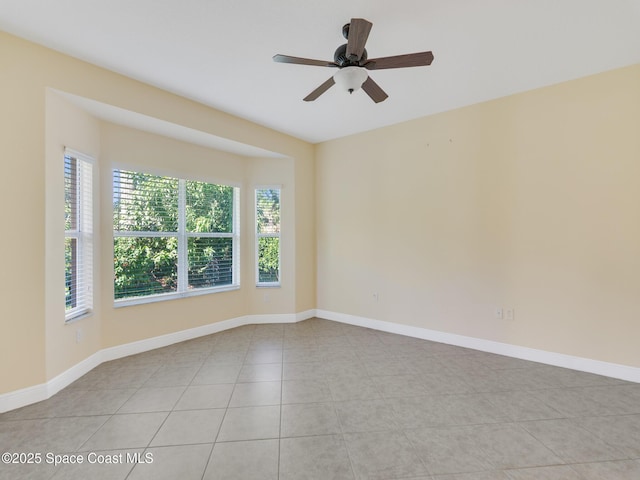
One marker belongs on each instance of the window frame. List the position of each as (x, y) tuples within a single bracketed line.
[(259, 235), (183, 236), (83, 234)]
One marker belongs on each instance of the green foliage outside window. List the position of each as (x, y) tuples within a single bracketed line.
[(147, 264), (268, 227), (268, 259)]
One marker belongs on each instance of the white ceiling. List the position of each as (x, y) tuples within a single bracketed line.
[(218, 52)]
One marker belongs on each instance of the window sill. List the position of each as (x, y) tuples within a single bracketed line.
[(172, 296), (78, 317)]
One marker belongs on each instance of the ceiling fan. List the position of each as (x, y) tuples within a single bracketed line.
[(352, 63)]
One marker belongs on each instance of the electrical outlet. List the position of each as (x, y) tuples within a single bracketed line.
[(499, 313), (266, 298), (79, 335), (510, 314), (376, 296)]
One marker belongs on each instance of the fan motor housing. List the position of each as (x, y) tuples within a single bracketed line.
[(340, 57)]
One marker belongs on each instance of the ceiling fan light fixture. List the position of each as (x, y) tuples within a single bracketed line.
[(350, 79), (352, 62)]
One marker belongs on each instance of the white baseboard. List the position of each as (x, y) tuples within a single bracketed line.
[(71, 375), (22, 397), (36, 393), (120, 351), (306, 315), (622, 372)]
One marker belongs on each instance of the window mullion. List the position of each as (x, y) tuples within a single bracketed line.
[(183, 270), (236, 236), (85, 227), (78, 262)]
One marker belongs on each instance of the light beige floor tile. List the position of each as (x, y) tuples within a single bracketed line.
[(559, 472), (248, 460), (380, 455), (314, 458), (108, 465), (511, 446), (61, 434), (188, 427), (199, 397), (303, 371), (152, 399), (210, 374), (250, 423), (259, 356), (365, 415), (256, 394), (473, 476), (620, 470), (572, 443), (521, 406), (305, 391), (621, 432), (125, 431), (309, 419), (173, 375), (186, 462), (391, 386), (14, 471), (346, 388), (261, 372), (449, 450)]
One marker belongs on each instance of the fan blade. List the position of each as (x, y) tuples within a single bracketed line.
[(302, 61), (320, 90), (359, 30), (374, 91), (420, 59)]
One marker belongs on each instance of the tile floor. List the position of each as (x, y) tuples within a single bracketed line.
[(322, 400)]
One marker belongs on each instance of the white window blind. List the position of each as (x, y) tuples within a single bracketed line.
[(172, 236), (78, 245), (268, 236)]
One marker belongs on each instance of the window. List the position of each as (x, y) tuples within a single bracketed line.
[(78, 234), (172, 237), (268, 236)]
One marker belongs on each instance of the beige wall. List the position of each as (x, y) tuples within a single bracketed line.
[(67, 126), (530, 202), (22, 299), (276, 172), (35, 125)]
